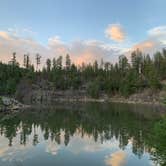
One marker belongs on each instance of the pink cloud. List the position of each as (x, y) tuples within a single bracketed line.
[(80, 51), (4, 35), (115, 32), (116, 159)]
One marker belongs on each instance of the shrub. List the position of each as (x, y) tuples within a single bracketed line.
[(93, 89)]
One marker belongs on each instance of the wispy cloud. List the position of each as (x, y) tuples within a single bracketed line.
[(159, 31), (155, 41), (4, 35)]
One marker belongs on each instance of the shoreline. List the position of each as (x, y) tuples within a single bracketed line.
[(10, 104), (103, 100), (17, 106)]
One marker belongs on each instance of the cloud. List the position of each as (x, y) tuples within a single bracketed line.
[(84, 51), (80, 50), (52, 147), (79, 144), (57, 46), (149, 46), (115, 32), (10, 43), (4, 35), (116, 159), (159, 31), (156, 41), (17, 152)]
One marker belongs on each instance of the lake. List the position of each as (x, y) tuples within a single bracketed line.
[(88, 134)]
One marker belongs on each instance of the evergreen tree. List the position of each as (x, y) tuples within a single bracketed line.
[(122, 78), (26, 61), (68, 62), (59, 62), (13, 61), (48, 63), (38, 59)]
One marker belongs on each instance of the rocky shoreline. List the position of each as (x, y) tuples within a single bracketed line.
[(40, 96), (37, 95), (44, 92), (8, 104)]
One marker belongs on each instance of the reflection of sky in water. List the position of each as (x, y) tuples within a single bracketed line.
[(79, 151), (116, 159)]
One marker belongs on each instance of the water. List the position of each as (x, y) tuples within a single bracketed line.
[(79, 134)]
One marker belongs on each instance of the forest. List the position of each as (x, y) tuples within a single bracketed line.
[(125, 77)]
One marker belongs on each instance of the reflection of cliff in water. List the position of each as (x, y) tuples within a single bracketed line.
[(100, 121)]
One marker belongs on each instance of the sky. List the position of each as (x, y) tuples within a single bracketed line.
[(86, 29)]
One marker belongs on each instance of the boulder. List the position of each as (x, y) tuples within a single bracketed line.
[(9, 104)]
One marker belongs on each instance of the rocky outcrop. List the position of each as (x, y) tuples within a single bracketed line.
[(49, 96), (144, 97), (45, 92), (10, 104)]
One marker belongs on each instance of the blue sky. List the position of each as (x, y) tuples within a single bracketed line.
[(74, 20)]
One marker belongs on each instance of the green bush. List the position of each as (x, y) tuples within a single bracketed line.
[(93, 89), (1, 102), (159, 142)]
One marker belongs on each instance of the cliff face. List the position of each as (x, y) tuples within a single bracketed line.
[(45, 92), (48, 96)]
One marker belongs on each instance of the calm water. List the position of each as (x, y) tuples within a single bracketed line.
[(80, 134)]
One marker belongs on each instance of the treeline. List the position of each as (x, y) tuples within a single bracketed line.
[(122, 78)]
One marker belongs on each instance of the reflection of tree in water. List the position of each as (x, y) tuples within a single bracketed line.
[(26, 130), (159, 142), (35, 137), (101, 121), (9, 127)]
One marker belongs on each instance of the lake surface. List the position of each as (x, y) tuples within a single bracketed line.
[(80, 134)]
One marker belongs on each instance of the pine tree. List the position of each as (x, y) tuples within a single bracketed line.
[(38, 60), (68, 62), (48, 63)]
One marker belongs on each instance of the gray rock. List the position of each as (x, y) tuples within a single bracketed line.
[(10, 104)]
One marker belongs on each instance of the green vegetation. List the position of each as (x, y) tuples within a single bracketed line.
[(93, 89), (1, 102), (122, 78), (159, 142)]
